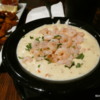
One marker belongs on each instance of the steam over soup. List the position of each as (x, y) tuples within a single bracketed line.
[(58, 52)]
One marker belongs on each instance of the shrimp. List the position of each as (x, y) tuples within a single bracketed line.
[(79, 39), (44, 31), (55, 30), (37, 53), (69, 43), (62, 53), (53, 44), (63, 30), (35, 44), (48, 37), (66, 42), (43, 45), (74, 51), (54, 58), (71, 32), (81, 34), (59, 45), (27, 59), (47, 52), (67, 62), (63, 39), (32, 51)]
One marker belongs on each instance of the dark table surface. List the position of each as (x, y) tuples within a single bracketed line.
[(7, 88)]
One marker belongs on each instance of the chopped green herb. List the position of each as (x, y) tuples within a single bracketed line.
[(20, 57), (43, 38), (39, 66), (44, 56), (73, 46), (73, 63), (40, 49), (78, 65), (28, 46), (47, 59), (57, 37), (48, 48), (31, 37), (59, 45), (80, 56), (65, 66), (38, 39), (32, 56)]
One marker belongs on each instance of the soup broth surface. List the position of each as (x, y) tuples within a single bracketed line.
[(58, 52)]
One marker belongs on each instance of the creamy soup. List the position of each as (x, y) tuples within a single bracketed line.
[(58, 52)]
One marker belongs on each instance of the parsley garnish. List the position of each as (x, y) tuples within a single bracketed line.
[(28, 46), (32, 56), (43, 38), (73, 63), (80, 56), (78, 65), (65, 66), (47, 59), (31, 37), (39, 66), (59, 45), (57, 36), (40, 49), (38, 39), (20, 57)]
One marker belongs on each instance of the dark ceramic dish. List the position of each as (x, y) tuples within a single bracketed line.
[(91, 80)]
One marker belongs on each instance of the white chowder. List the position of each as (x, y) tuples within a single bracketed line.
[(37, 55)]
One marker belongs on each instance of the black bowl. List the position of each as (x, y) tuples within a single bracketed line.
[(18, 73)]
